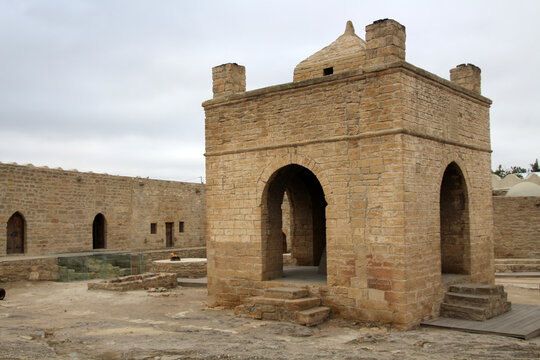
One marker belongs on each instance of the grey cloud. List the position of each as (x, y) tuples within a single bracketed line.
[(114, 84)]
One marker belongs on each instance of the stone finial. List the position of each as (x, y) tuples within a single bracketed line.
[(349, 28), (228, 79), (385, 42), (467, 76)]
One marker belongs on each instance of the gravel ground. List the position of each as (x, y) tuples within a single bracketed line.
[(48, 320)]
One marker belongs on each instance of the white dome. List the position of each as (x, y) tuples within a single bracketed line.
[(534, 178), (495, 181), (509, 181), (524, 189)]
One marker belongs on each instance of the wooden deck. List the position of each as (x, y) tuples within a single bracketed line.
[(523, 322)]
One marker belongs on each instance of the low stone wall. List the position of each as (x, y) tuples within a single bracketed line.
[(516, 227), (46, 268), (136, 282), (192, 268), (20, 268), (150, 257)]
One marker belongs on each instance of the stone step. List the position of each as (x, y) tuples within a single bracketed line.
[(507, 306), (302, 304), (510, 268), (477, 289), (286, 293), (463, 312), (313, 316), (524, 275), (281, 305), (475, 301), (467, 299), (285, 304), (517, 261), (263, 300)]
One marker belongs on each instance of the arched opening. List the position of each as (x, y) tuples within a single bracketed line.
[(16, 226), (454, 213), (306, 224), (286, 213), (99, 232)]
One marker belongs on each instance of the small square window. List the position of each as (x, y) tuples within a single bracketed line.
[(153, 228), (181, 226), (328, 71)]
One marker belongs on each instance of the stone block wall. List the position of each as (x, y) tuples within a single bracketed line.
[(443, 125), (36, 268), (516, 227), (59, 208)]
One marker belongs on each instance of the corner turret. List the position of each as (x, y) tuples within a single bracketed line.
[(228, 79), (467, 76), (385, 41)]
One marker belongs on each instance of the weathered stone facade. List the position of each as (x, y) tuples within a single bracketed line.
[(59, 211), (386, 167)]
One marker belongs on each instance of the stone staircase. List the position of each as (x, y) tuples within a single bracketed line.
[(286, 304), (475, 302), (517, 265)]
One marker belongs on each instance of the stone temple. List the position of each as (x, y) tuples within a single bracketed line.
[(385, 172)]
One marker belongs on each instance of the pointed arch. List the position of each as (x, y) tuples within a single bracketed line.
[(308, 219), (99, 232), (292, 159), (16, 234), (454, 222)]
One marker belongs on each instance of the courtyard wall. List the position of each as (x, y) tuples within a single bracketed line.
[(59, 208), (516, 228)]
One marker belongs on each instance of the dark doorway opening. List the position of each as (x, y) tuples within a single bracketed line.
[(454, 215), (307, 227), (169, 234), (15, 234), (99, 232)]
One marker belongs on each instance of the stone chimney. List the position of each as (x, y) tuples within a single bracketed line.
[(466, 75), (385, 42), (228, 79)]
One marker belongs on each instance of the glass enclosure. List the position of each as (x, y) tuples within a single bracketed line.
[(100, 266)]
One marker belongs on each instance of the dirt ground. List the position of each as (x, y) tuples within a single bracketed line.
[(48, 320)]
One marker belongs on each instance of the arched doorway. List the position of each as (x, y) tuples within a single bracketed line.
[(16, 234), (99, 232), (307, 229), (454, 214)]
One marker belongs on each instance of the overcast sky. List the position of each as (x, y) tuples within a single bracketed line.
[(116, 86)]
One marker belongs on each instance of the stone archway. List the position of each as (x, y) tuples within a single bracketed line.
[(454, 217), (99, 232), (16, 226), (307, 224)]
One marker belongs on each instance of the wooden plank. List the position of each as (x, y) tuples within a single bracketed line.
[(523, 321), (503, 324)]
